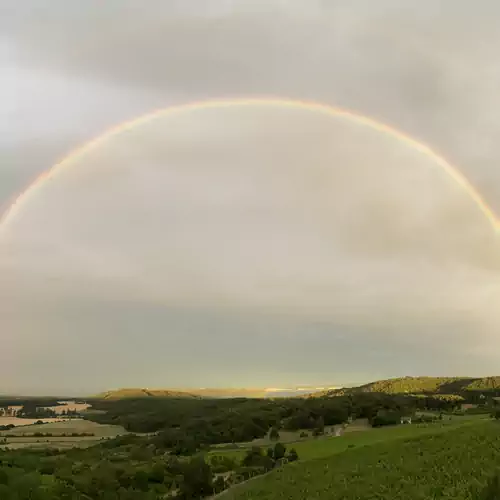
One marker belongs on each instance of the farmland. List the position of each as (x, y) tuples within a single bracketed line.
[(191, 448), (59, 434), (454, 463)]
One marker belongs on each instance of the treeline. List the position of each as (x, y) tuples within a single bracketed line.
[(184, 426), (51, 434), (472, 390), (34, 401), (33, 411)]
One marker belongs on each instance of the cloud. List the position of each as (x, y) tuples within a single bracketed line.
[(271, 217), (271, 222)]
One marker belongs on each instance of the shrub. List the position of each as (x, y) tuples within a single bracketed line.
[(292, 455), (274, 435), (386, 418), (219, 484), (222, 463), (279, 451)]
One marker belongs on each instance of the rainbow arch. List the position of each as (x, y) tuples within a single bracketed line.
[(23, 197)]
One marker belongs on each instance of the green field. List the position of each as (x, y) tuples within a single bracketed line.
[(326, 446), (452, 461), (23, 436)]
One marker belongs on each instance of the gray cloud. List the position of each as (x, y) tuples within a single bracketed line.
[(246, 219)]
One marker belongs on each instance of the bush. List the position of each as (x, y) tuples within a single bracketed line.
[(279, 451), (222, 463), (386, 418), (219, 485), (292, 456), (255, 458), (274, 435), (197, 479)]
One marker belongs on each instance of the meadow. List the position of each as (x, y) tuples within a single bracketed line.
[(64, 434), (324, 446), (452, 461)]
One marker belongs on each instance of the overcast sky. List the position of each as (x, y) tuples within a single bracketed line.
[(253, 245)]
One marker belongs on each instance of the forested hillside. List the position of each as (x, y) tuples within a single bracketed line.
[(424, 385)]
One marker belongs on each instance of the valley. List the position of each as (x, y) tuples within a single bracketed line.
[(335, 445)]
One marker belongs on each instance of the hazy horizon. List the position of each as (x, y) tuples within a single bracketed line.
[(265, 245)]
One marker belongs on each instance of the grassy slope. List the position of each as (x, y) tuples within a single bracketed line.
[(453, 465), (327, 446), (143, 393), (215, 393)]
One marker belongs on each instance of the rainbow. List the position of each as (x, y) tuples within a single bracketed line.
[(22, 198)]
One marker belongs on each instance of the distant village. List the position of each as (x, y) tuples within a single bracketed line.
[(10, 411), (65, 409)]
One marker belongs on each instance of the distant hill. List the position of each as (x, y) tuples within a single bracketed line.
[(253, 393), (205, 393), (421, 385), (403, 385), (144, 393)]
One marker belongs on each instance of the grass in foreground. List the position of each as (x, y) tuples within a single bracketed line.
[(452, 464)]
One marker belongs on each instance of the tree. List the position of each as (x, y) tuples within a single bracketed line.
[(219, 484), (253, 457), (140, 480), (292, 456), (256, 458), (320, 427), (274, 435), (387, 417), (157, 474), (4, 477), (197, 479), (279, 451)]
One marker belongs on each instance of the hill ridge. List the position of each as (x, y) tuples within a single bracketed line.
[(421, 385)]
